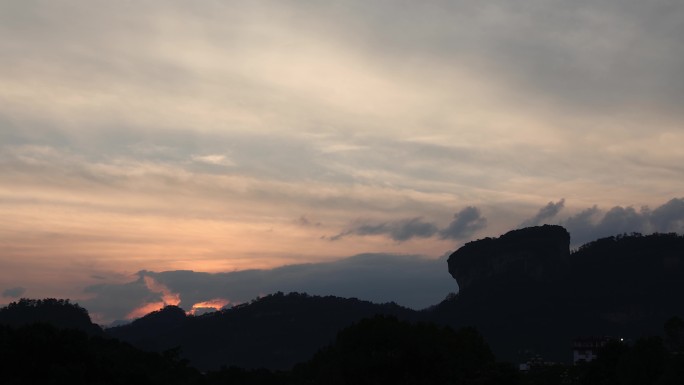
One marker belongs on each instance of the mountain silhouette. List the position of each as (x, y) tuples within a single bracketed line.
[(40, 353), (275, 331), (385, 350), (60, 313), (525, 291)]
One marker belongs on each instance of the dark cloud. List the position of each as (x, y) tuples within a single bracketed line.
[(547, 212), (466, 222), (114, 301), (581, 225), (593, 223), (669, 217), (306, 222), (13, 292), (409, 280), (400, 231)]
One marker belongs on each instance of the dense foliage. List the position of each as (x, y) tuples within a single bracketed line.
[(384, 350), (275, 331), (58, 312), (43, 354), (649, 361)]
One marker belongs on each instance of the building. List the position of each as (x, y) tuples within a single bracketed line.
[(585, 349)]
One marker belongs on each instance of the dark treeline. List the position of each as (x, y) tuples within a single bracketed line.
[(378, 350), (275, 331), (651, 360), (43, 354), (58, 312)]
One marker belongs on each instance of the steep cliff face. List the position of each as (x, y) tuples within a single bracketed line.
[(534, 253), (525, 291)]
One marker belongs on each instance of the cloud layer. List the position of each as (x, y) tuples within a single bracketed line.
[(13, 292), (411, 281), (464, 224), (225, 136), (592, 223)]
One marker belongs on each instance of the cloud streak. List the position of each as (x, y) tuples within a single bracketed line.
[(14, 292), (465, 223)]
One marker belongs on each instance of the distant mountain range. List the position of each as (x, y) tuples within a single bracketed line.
[(525, 291), (276, 331)]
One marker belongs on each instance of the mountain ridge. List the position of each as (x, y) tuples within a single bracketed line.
[(536, 297)]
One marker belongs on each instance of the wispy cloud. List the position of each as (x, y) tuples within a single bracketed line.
[(215, 159), (465, 223), (401, 230), (14, 292), (545, 213)]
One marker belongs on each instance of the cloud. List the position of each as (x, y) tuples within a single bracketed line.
[(213, 304), (215, 159), (306, 222), (547, 212), (400, 231), (166, 295), (14, 292), (409, 280), (466, 222), (593, 223), (669, 217)]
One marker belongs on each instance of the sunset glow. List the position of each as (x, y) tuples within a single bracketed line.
[(216, 304)]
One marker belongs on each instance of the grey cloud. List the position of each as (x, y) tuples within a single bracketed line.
[(402, 230), (306, 222), (580, 226), (114, 301), (409, 280), (14, 292), (466, 222), (547, 212), (620, 220), (593, 55), (593, 223), (669, 217)]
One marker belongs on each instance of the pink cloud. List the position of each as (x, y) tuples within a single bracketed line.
[(167, 298), (216, 304)]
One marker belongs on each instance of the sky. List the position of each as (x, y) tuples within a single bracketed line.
[(205, 153)]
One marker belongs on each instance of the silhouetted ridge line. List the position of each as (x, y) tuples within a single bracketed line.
[(275, 331), (525, 291), (58, 312), (528, 252)]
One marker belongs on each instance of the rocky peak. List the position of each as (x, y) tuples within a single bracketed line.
[(533, 253)]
